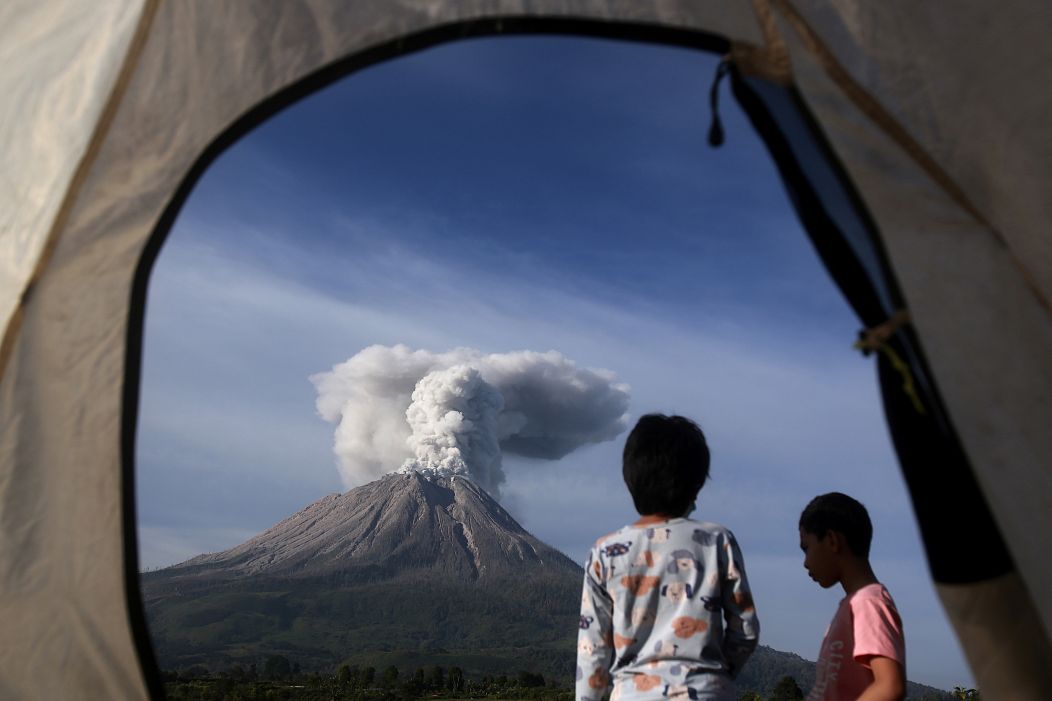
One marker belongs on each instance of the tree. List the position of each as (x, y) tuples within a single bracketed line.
[(436, 680), (529, 680), (277, 667), (959, 692), (390, 677), (750, 696), (787, 690), (415, 684), (456, 680)]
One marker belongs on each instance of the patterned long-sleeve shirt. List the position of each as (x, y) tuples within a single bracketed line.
[(666, 611)]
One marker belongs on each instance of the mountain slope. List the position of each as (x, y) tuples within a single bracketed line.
[(399, 523), (401, 566), (402, 571)]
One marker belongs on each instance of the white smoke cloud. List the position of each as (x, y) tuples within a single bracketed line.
[(453, 419), (458, 412)]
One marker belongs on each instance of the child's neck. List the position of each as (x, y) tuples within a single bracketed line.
[(651, 519), (856, 574)]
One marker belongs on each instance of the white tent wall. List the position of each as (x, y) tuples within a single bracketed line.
[(968, 85), (204, 65), (977, 287), (60, 526), (62, 60)]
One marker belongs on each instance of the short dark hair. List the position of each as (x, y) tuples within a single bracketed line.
[(665, 463), (839, 512)]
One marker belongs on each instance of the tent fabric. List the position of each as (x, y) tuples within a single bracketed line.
[(933, 463), (67, 56), (985, 328), (118, 108), (995, 606), (987, 614)]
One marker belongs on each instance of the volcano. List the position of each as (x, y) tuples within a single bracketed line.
[(402, 523), (407, 570)]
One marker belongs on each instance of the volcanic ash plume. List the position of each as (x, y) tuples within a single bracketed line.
[(453, 419), (458, 412)]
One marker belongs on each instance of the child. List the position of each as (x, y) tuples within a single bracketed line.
[(666, 609), (863, 655)]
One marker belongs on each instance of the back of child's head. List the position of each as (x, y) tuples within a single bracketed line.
[(839, 512), (665, 463)]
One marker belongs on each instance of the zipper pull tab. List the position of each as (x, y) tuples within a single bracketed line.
[(716, 136)]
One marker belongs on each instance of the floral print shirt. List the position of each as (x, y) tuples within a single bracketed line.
[(665, 612)]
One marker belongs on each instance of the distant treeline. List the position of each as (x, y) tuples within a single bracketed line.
[(280, 680)]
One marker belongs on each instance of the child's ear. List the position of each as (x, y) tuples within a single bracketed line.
[(835, 541)]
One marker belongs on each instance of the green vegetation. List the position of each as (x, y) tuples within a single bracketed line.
[(279, 680), (787, 690), (772, 675), (233, 641), (767, 668), (405, 623)]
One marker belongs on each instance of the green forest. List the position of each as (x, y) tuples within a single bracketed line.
[(281, 680)]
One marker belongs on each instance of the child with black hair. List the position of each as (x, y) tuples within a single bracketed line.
[(666, 610), (863, 654)]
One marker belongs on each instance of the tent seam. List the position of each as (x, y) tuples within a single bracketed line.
[(872, 108), (771, 61)]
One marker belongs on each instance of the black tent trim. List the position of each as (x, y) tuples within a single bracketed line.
[(954, 519)]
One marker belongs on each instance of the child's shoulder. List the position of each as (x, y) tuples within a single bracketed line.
[(680, 529), (709, 532), (876, 622), (710, 527), (700, 532), (873, 592), (613, 535)]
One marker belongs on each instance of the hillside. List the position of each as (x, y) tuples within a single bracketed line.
[(403, 571)]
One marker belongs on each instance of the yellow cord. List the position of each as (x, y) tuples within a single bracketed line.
[(876, 339)]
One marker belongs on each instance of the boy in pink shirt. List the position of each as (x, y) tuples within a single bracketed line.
[(863, 655)]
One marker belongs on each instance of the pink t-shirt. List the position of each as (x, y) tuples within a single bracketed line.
[(866, 623)]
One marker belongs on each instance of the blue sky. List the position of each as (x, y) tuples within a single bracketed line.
[(522, 193)]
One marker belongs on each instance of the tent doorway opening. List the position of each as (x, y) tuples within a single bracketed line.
[(546, 211)]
